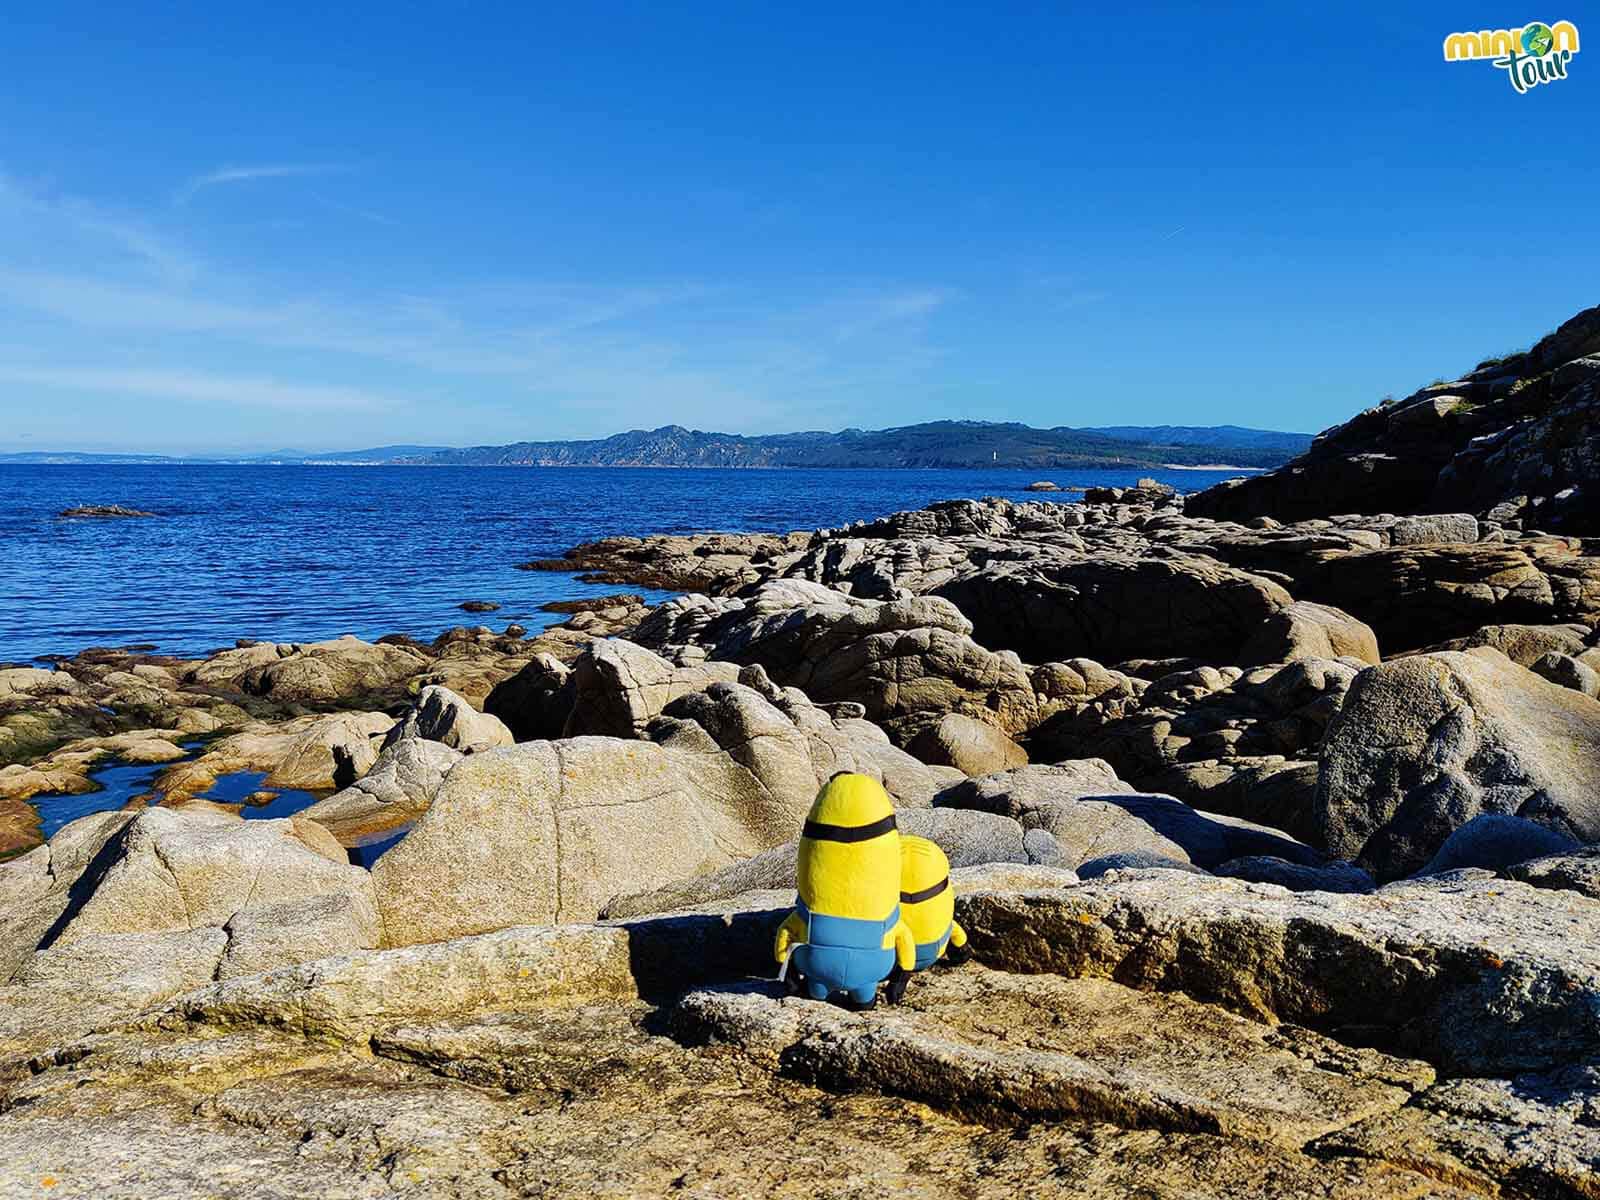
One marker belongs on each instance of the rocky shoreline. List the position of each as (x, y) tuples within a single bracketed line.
[(1276, 836)]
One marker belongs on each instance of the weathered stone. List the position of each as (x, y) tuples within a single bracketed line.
[(1480, 976), (264, 936), (1024, 789), (1568, 672), (971, 746), (1304, 630), (1578, 871), (1424, 744), (1100, 607), (899, 659), (166, 870), (1496, 841), (1298, 877), (398, 789), (1134, 860), (1014, 1050), (618, 688), (439, 715), (968, 838)]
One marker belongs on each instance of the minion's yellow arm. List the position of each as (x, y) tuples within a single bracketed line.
[(958, 935), (791, 933), (905, 946)]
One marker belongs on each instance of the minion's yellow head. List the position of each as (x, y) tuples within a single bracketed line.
[(848, 864), (927, 901)]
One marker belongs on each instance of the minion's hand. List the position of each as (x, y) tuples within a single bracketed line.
[(957, 952), (791, 933), (905, 947)]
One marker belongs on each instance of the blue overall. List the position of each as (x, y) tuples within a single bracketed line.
[(928, 952), (843, 954)]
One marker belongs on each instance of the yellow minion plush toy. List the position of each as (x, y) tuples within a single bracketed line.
[(845, 933), (927, 906)]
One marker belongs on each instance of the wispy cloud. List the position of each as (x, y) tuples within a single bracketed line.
[(117, 306), (361, 214), (198, 387), (224, 175)]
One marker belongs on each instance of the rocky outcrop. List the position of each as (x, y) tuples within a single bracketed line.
[(1495, 842), (549, 831), (309, 752), (1093, 1049), (1578, 871), (1424, 744), (717, 563), (396, 791), (113, 889), (1303, 630), (439, 715), (1481, 976), (973, 747), (618, 688), (1418, 595), (969, 838), (901, 660), (1100, 607), (1515, 439), (341, 669), (1224, 739)]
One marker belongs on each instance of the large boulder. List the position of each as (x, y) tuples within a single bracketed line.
[(112, 890), (1578, 871), (1424, 744), (341, 669), (971, 746), (1039, 785), (618, 688), (1515, 438), (1524, 644), (550, 831), (1496, 841), (1481, 976), (177, 870), (398, 790), (1089, 825), (439, 715), (1224, 739), (1304, 630), (968, 838), (535, 702), (1105, 607)]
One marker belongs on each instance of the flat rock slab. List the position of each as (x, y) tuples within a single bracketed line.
[(1003, 1048), (1479, 976), (585, 1101)]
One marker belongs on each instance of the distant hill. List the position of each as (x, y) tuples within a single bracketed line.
[(931, 444)]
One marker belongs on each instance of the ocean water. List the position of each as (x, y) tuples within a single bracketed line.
[(304, 553)]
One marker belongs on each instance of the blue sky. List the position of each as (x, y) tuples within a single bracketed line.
[(224, 231)]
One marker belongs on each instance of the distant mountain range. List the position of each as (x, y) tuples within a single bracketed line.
[(931, 444)]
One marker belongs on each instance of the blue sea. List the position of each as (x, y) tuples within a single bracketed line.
[(305, 553)]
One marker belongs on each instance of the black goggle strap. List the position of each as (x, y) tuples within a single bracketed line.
[(818, 832), (927, 893)]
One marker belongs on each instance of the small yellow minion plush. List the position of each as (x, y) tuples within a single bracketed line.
[(845, 933), (927, 906)]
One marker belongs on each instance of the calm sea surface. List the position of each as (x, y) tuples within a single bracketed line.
[(303, 553)]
